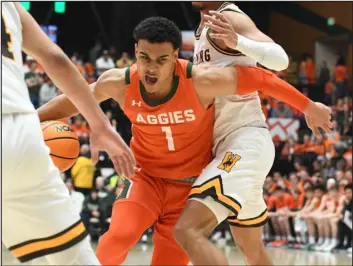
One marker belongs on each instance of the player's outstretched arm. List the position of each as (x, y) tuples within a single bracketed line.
[(240, 33), (213, 81), (60, 69), (109, 85), (66, 77)]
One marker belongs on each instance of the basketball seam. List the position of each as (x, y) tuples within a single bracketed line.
[(67, 158), (61, 138), (50, 125)]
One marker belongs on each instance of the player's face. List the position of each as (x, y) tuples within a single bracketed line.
[(155, 63)]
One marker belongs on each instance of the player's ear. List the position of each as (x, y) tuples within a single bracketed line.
[(175, 54)]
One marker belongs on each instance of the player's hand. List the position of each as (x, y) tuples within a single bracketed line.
[(222, 29), (110, 141), (317, 116)]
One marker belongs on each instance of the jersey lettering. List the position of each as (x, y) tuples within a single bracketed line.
[(176, 117), (6, 40), (202, 57)]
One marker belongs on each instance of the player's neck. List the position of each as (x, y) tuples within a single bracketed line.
[(165, 88)]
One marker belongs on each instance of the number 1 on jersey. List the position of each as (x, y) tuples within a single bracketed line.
[(169, 136)]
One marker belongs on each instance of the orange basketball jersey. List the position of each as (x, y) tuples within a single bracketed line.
[(171, 138)]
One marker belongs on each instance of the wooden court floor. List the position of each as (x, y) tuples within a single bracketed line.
[(141, 255)]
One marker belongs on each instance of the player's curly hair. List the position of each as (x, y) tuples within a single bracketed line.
[(158, 30)]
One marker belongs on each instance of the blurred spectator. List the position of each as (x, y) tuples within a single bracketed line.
[(291, 75), (112, 52), (47, 91), (92, 213), (79, 126), (95, 51), (124, 61), (100, 186), (29, 59), (340, 77), (282, 111), (83, 171), (310, 70), (77, 198), (324, 75), (107, 196), (344, 218), (302, 79), (104, 63), (330, 97), (33, 81), (77, 60)]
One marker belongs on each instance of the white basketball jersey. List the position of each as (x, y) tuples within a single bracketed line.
[(14, 92), (231, 111)]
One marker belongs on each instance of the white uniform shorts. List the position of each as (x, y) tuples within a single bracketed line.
[(37, 215), (231, 186)]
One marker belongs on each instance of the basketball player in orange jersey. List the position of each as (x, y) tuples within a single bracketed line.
[(37, 215), (169, 102)]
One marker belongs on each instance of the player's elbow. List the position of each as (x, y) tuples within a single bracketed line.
[(53, 58), (280, 60)]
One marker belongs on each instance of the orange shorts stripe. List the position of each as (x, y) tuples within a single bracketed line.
[(199, 191), (43, 246), (251, 222)]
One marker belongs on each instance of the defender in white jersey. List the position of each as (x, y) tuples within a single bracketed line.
[(37, 215), (231, 185)]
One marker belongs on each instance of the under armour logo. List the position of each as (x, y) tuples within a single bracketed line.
[(139, 104)]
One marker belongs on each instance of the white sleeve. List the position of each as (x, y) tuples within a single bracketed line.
[(268, 54)]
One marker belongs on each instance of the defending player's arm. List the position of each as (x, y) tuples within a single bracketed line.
[(109, 85), (60, 69), (65, 75), (240, 33), (213, 81)]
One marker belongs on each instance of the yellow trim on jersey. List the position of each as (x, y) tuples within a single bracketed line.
[(252, 222), (39, 247), (199, 192)]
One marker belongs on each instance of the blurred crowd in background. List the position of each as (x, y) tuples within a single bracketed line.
[(308, 191)]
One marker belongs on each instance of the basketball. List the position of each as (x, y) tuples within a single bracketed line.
[(62, 142)]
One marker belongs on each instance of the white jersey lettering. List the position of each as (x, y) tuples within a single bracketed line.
[(176, 117)]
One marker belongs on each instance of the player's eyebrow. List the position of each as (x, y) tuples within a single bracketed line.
[(159, 57)]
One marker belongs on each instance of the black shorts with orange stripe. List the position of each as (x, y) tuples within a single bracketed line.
[(36, 248)]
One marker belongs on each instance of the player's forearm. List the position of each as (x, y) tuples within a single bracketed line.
[(268, 54), (251, 79), (66, 77), (58, 108)]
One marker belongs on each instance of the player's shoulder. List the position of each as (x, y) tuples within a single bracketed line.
[(113, 76), (184, 68)]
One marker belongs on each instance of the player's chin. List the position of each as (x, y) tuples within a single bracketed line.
[(150, 87)]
